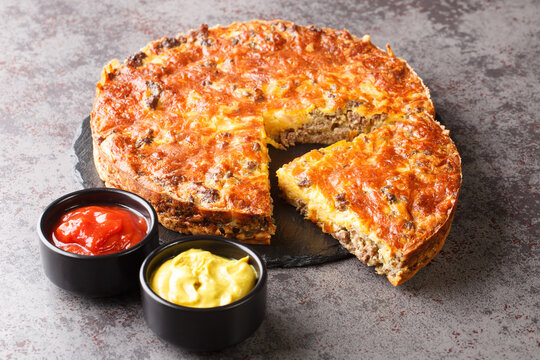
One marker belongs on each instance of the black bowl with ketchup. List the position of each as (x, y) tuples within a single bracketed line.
[(211, 328), (93, 241)]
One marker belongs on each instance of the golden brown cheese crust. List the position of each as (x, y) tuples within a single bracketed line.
[(271, 69), (397, 185), (401, 180), (185, 121)]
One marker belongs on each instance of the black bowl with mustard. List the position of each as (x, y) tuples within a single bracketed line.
[(93, 241), (204, 292)]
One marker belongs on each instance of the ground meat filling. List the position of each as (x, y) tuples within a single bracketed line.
[(329, 128), (367, 251), (341, 202), (136, 60), (169, 43), (210, 195), (304, 182), (155, 92)]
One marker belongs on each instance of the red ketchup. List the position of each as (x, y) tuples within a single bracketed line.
[(99, 230)]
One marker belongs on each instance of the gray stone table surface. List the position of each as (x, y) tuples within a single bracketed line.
[(478, 299)]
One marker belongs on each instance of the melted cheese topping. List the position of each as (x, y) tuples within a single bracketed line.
[(397, 184), (190, 116)]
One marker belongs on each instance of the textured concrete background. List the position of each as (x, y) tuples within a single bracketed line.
[(478, 299)]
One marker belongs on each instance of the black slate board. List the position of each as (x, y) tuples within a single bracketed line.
[(297, 242)]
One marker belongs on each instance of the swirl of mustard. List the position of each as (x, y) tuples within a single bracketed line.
[(198, 278)]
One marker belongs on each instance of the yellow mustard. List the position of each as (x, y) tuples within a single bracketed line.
[(198, 278)]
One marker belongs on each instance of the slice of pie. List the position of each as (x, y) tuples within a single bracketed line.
[(206, 175), (388, 196)]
